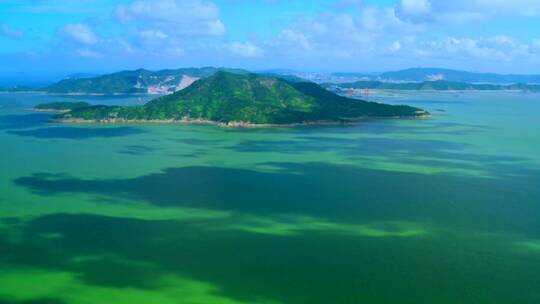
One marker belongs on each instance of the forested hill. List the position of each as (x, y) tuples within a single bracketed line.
[(248, 98), (137, 81)]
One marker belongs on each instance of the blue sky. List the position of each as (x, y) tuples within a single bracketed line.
[(66, 36)]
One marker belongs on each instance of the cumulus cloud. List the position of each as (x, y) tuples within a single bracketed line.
[(348, 34), (462, 11), (490, 49), (150, 37), (245, 49), (397, 33), (79, 33), (414, 10), (383, 34), (10, 32), (294, 38), (344, 34), (535, 47), (396, 46), (89, 53), (174, 17), (168, 28), (414, 7)]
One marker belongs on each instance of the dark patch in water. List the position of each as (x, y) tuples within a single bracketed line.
[(196, 141), (23, 121), (78, 132), (35, 301), (438, 153), (339, 193), (137, 150), (318, 268)]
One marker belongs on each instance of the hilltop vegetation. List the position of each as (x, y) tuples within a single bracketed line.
[(135, 82), (247, 98)]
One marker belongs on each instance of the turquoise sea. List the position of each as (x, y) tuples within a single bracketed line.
[(443, 210)]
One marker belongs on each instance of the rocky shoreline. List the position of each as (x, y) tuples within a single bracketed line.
[(230, 124)]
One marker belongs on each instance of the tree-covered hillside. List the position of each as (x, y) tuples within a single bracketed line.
[(249, 98), (132, 82)]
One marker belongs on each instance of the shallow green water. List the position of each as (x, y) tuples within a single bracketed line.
[(443, 210)]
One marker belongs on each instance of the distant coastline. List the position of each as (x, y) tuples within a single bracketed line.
[(49, 110)]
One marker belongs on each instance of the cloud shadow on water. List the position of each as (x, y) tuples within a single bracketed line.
[(431, 153), (77, 132), (260, 258), (124, 253), (23, 121), (338, 193), (137, 150)]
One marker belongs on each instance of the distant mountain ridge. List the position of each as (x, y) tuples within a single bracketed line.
[(139, 81), (168, 81), (438, 85), (426, 74)]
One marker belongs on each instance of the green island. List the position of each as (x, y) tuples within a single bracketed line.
[(60, 106), (439, 85), (231, 99)]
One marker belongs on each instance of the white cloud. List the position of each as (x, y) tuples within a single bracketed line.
[(413, 8), (461, 11), (348, 35), (245, 49), (396, 46), (535, 47), (399, 34), (79, 33), (153, 35), (10, 32), (174, 17), (374, 36), (169, 28), (89, 53), (124, 45), (294, 38), (344, 35), (491, 49)]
